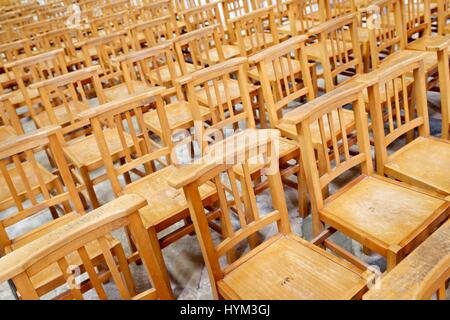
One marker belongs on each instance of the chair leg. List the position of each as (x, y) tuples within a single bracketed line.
[(301, 189), (125, 268), (89, 187)]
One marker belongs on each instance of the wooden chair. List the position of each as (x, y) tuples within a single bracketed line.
[(31, 70), (255, 31), (391, 37), (144, 69), (65, 96), (73, 242), (411, 163), (284, 266), (62, 38), (10, 52), (231, 106), (224, 89), (29, 190), (144, 159), (151, 32), (337, 50), (386, 216), (102, 51), (421, 274), (286, 81)]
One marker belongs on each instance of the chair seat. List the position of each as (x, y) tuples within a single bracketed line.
[(380, 213), (430, 59), (121, 91), (161, 76), (258, 40), (6, 77), (290, 130), (293, 66), (229, 51), (84, 152), (286, 147), (7, 132), (178, 114), (285, 28), (422, 43), (62, 116), (292, 269), (28, 169), (313, 52), (17, 97), (424, 162), (232, 89), (164, 202)]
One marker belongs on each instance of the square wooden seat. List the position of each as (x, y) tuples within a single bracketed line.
[(62, 115), (291, 268), (178, 114), (423, 42), (293, 66), (316, 53), (229, 51), (84, 151), (121, 91), (163, 77), (228, 90), (425, 162), (164, 202), (430, 59), (381, 211)]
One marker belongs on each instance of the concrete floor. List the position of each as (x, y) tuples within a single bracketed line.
[(189, 277)]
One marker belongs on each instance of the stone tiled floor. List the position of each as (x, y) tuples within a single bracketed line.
[(188, 275)]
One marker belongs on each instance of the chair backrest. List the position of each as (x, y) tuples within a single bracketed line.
[(398, 104), (36, 68), (29, 190), (65, 96), (416, 17), (15, 50), (235, 193), (73, 241), (157, 9), (203, 16), (110, 23), (59, 38), (151, 32), (339, 56), (324, 140), (282, 78), (131, 136), (224, 89), (199, 49), (153, 66), (181, 5), (103, 50), (303, 15), (336, 8), (385, 29), (256, 30)]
